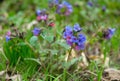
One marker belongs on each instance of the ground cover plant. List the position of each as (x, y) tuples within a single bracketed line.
[(59, 40)]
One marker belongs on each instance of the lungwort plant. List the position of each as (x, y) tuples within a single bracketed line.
[(17, 48)]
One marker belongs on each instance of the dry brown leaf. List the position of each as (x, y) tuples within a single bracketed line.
[(1, 28), (83, 63), (106, 63), (73, 53), (16, 77), (31, 24), (111, 74), (70, 56), (66, 57), (84, 59), (2, 73)]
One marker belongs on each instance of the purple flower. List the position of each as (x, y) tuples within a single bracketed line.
[(90, 3), (111, 30), (38, 12), (71, 40), (68, 29), (8, 36), (109, 33), (36, 31), (44, 17), (74, 39), (68, 35), (80, 47), (41, 15), (68, 32), (104, 8), (55, 2), (81, 39), (77, 28), (64, 8), (69, 8)]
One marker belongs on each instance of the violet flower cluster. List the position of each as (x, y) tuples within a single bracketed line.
[(91, 4), (64, 7), (103, 8), (41, 15), (8, 36), (74, 38), (53, 2)]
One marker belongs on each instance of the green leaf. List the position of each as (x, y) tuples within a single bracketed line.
[(70, 63), (33, 40), (54, 51), (63, 44), (47, 37), (22, 44), (32, 59)]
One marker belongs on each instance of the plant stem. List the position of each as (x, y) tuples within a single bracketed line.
[(69, 53)]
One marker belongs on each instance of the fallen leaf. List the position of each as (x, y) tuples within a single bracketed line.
[(111, 74), (2, 73)]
